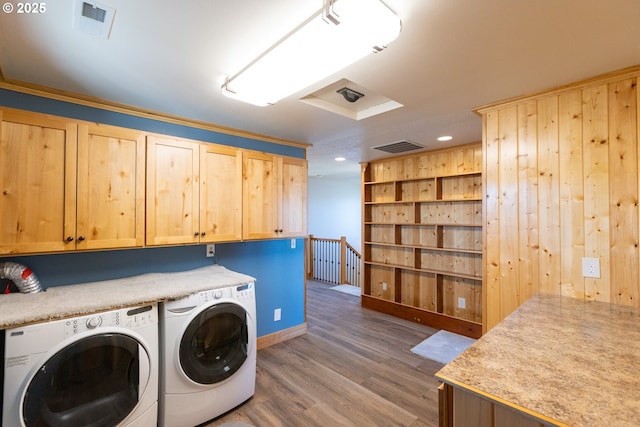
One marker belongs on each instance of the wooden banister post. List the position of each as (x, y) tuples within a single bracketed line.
[(310, 258), (343, 259)]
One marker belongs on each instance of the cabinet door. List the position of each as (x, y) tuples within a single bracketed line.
[(110, 187), (37, 182), (293, 197), (260, 196), (172, 191), (220, 193)]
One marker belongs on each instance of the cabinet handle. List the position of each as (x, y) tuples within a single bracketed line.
[(196, 234), (81, 239), (280, 231), (69, 239), (204, 233)]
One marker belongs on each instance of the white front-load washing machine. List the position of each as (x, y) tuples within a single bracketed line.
[(94, 370), (208, 362)]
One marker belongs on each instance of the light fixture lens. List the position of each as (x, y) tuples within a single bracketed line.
[(445, 138), (315, 50), (340, 159)]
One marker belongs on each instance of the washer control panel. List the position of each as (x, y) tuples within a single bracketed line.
[(132, 318)]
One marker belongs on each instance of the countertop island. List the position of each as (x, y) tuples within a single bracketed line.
[(555, 361)]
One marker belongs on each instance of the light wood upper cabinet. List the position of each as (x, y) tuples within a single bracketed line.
[(111, 165), (37, 182), (275, 196), (173, 171), (220, 193), (260, 196), (293, 196), (194, 192), (68, 185)]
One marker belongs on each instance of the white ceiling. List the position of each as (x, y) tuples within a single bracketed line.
[(452, 55)]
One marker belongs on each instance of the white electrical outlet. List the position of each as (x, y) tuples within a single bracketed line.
[(384, 286), (277, 314), (211, 250), (462, 303), (591, 267)]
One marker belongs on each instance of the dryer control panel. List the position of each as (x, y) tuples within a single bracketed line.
[(244, 292), (238, 293)]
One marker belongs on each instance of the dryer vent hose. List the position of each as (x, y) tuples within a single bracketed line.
[(21, 275)]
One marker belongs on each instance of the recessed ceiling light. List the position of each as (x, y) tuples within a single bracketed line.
[(445, 138), (340, 159)]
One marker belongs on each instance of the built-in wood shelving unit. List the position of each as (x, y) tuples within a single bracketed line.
[(422, 238)]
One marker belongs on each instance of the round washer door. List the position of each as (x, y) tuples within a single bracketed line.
[(95, 381), (214, 345)]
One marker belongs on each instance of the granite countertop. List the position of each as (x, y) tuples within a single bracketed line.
[(59, 302), (560, 359)]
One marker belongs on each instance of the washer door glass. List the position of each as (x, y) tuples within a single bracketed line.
[(214, 345), (92, 382)]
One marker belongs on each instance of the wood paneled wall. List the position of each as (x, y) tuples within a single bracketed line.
[(562, 183)]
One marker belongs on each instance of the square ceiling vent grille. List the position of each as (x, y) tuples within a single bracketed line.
[(399, 147), (93, 18)]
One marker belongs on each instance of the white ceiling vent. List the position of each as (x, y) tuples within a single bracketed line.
[(398, 147), (93, 18)]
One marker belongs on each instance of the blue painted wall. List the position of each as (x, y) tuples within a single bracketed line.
[(278, 269), (28, 102)]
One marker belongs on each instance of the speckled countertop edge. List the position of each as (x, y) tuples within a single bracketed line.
[(560, 359), (59, 302)]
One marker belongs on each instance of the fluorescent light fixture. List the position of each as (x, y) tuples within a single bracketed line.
[(339, 34), (340, 159), (445, 138)]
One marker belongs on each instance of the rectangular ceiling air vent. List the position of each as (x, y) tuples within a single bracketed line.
[(398, 147), (93, 12), (93, 18)]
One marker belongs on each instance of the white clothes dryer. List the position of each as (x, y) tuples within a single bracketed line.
[(208, 361), (94, 370)]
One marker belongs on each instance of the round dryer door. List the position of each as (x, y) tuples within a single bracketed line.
[(93, 382), (214, 345)]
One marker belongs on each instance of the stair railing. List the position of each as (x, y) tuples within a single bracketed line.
[(334, 261)]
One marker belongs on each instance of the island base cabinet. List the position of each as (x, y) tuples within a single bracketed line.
[(460, 408)]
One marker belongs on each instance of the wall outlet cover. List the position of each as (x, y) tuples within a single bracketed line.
[(591, 267), (211, 250)]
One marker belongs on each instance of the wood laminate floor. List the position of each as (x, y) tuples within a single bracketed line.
[(354, 367)]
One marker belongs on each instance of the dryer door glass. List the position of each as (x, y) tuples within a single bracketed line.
[(214, 345), (92, 382)]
